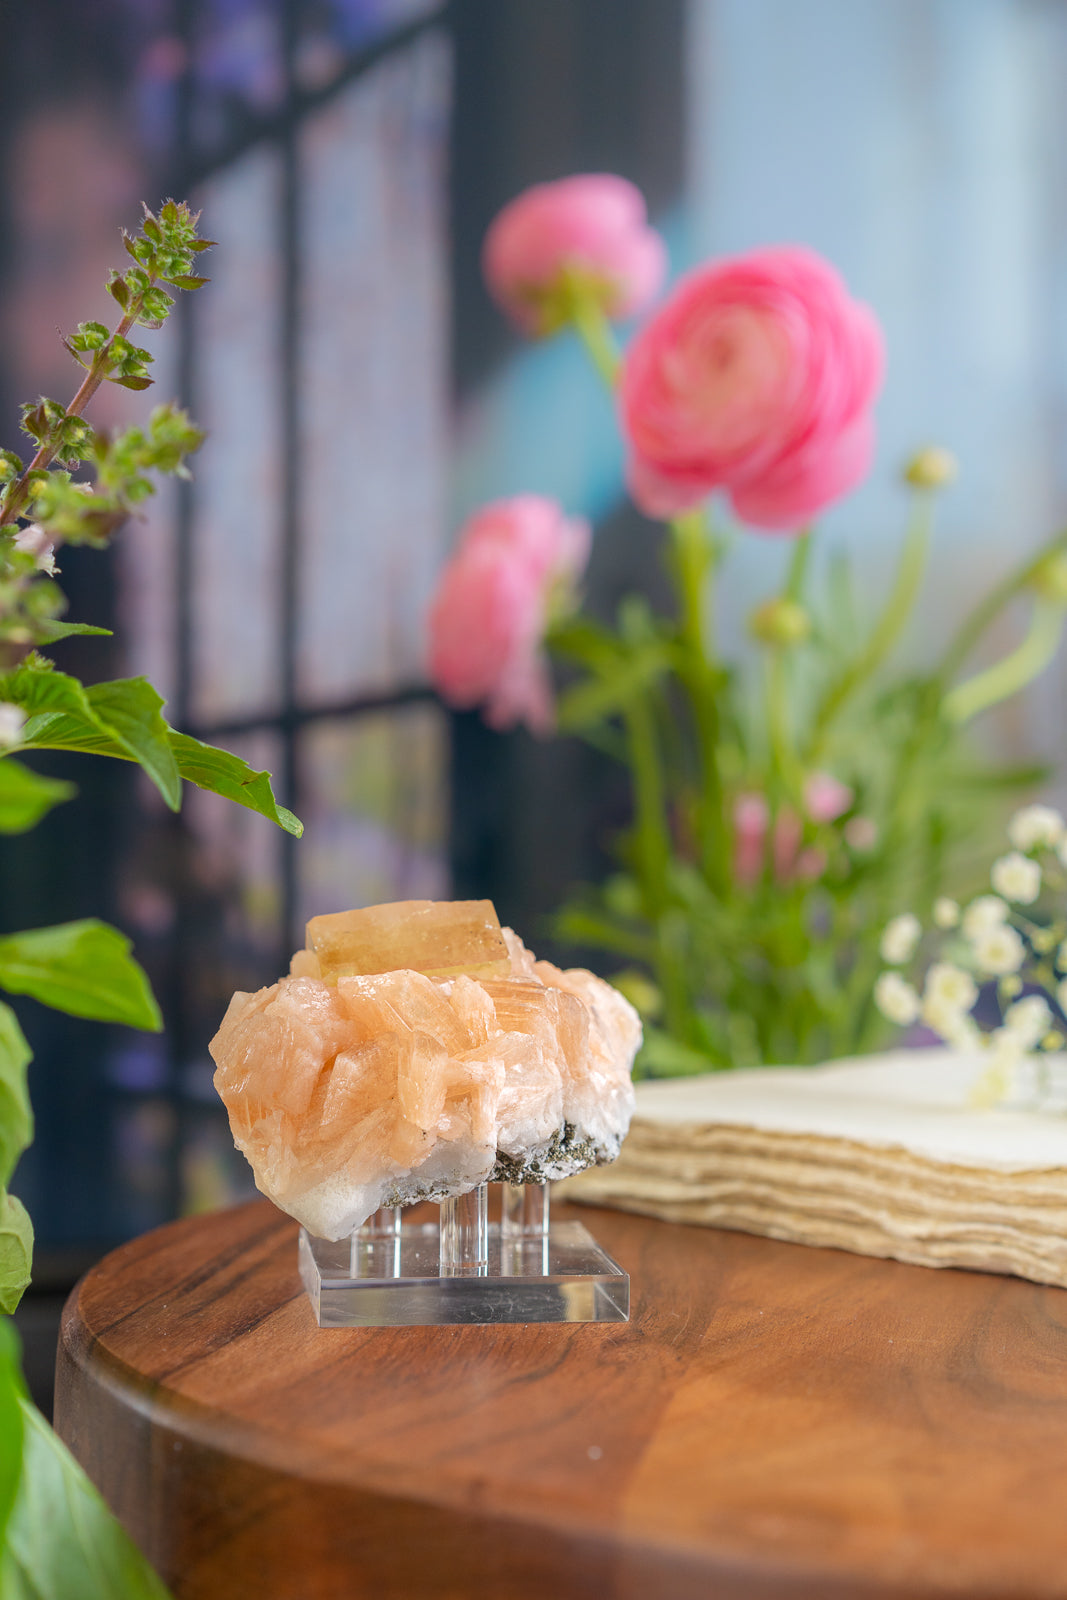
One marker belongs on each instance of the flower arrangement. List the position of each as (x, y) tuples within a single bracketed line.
[(782, 806), (55, 1530), (998, 988)]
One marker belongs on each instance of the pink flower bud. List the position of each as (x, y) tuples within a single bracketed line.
[(825, 799), (516, 559), (757, 376), (751, 818), (589, 231)]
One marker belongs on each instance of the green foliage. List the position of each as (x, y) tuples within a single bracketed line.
[(16, 1251), (84, 968), (16, 1119), (12, 1393), (57, 1538), (62, 1540), (25, 797)]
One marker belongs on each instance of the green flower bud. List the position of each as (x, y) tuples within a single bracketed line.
[(780, 622), (642, 993), (1050, 579), (931, 468)]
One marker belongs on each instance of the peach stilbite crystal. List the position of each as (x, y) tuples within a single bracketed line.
[(351, 1087)]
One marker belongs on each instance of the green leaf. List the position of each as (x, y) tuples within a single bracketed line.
[(130, 709), (118, 718), (25, 796), (84, 968), (596, 698), (11, 1394), (231, 777), (136, 383), (16, 1251), (49, 630), (16, 1118), (62, 1541)]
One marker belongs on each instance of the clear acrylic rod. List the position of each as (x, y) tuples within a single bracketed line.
[(464, 1231), (381, 1229), (524, 1210)]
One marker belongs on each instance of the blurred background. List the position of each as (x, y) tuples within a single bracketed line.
[(361, 396)]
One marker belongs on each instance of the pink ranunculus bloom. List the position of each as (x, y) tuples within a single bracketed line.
[(594, 227), (515, 561), (757, 377)]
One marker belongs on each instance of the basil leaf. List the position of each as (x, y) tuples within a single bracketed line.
[(16, 1251), (16, 1118), (84, 968), (62, 1540), (231, 777), (11, 1392), (25, 796), (130, 709)]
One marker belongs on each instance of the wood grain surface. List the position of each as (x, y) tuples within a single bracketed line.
[(775, 1421)]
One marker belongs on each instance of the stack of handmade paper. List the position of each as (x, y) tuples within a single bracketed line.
[(882, 1155)]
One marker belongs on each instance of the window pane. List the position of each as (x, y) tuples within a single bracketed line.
[(373, 375), (237, 491), (373, 800)]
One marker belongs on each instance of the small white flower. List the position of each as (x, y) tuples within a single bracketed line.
[(951, 1023), (1028, 1020), (988, 911), (861, 834), (1017, 878), (999, 950), (896, 999), (946, 912), (951, 984), (899, 939), (12, 722), (1036, 825), (36, 543)]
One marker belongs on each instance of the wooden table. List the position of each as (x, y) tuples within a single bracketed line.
[(774, 1422)]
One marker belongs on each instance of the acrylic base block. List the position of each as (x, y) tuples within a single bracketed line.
[(464, 1269)]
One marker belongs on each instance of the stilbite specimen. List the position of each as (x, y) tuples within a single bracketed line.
[(384, 1087)]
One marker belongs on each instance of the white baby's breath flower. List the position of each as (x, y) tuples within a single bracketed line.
[(896, 999), (899, 938), (12, 722), (1036, 825), (999, 950), (946, 912), (949, 1022), (1028, 1020), (1017, 878), (952, 985), (988, 911)]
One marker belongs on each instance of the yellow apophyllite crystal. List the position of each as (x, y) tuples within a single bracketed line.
[(441, 938)]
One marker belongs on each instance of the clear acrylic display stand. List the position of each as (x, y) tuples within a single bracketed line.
[(464, 1268)]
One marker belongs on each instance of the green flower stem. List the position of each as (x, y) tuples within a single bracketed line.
[(596, 333), (785, 768), (986, 612), (652, 836), (14, 498), (889, 626), (1015, 671), (798, 566), (694, 561)]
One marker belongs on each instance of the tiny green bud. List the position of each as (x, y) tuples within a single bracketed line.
[(1010, 986), (1053, 1040), (931, 468), (780, 622), (1050, 579), (642, 993)]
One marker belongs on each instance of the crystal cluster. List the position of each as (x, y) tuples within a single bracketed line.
[(415, 1051)]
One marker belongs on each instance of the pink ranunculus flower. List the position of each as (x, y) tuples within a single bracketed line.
[(757, 376), (592, 227), (515, 562)]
